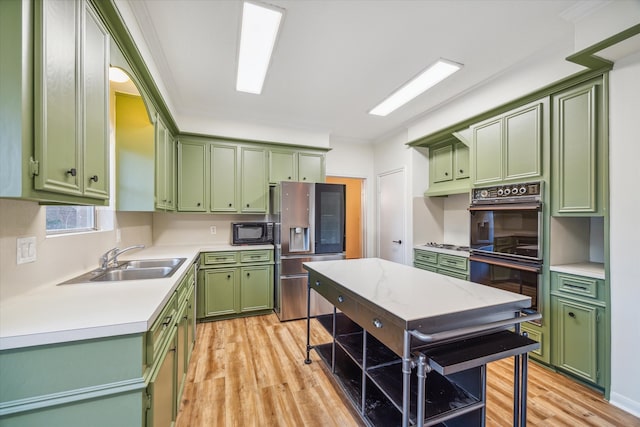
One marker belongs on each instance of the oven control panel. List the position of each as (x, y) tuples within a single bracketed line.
[(511, 193)]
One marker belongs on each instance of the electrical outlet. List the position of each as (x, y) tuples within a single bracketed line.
[(26, 250), (213, 229)]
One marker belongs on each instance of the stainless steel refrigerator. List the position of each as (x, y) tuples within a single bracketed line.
[(309, 226)]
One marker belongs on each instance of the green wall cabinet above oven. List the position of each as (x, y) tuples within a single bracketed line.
[(509, 147), (54, 88), (579, 157)]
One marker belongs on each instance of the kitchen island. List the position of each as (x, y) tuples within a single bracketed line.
[(411, 346)]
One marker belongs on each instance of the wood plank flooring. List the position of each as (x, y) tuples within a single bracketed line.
[(251, 372)]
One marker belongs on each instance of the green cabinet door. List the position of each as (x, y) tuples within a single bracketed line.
[(96, 95), (223, 181), (220, 291), (523, 143), (578, 157), (460, 161), (71, 89), (254, 186), (442, 163), (58, 149), (282, 166), (487, 152), (162, 389), (576, 340), (162, 200), (311, 167), (192, 164), (256, 288), (509, 147)]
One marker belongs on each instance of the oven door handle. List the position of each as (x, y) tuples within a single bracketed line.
[(536, 268), (507, 207)]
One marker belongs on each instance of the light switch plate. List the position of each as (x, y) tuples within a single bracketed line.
[(26, 250)]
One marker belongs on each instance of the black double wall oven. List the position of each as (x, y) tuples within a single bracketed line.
[(506, 238)]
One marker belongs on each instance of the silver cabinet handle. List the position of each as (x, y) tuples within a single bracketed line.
[(317, 283), (377, 323), (340, 298)]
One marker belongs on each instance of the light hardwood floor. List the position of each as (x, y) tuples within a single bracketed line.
[(251, 372)]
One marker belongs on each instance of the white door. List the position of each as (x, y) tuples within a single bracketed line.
[(391, 215)]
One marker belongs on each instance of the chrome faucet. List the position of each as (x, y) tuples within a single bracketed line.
[(110, 258)]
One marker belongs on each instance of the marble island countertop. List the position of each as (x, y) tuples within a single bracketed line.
[(412, 294), (52, 314)]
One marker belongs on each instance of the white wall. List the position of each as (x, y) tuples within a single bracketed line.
[(624, 152), (61, 257), (355, 160)]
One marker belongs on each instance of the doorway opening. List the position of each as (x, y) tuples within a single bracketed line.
[(354, 228)]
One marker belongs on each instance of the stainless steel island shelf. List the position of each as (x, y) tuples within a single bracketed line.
[(399, 369)]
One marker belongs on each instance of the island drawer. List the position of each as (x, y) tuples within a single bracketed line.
[(218, 258), (338, 297), (161, 329), (381, 325)]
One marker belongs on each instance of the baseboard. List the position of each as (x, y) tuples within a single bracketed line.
[(624, 403)]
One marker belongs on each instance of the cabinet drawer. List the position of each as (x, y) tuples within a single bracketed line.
[(255, 256), (576, 285), (161, 329), (426, 257), (535, 334), (219, 258), (380, 325), (450, 262)]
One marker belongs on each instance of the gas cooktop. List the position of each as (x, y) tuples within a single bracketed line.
[(447, 246)]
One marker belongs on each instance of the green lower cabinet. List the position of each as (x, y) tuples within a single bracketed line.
[(161, 407), (446, 264), (220, 292), (256, 288), (235, 283), (578, 337)]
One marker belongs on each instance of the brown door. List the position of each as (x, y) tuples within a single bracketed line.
[(353, 220)]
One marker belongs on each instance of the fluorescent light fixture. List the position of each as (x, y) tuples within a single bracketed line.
[(260, 26), (117, 75), (428, 78)]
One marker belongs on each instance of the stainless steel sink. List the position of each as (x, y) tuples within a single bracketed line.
[(131, 270), (153, 263), (133, 274)]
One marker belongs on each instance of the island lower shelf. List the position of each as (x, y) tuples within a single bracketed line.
[(370, 374)]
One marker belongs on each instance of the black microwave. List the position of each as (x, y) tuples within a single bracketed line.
[(251, 233)]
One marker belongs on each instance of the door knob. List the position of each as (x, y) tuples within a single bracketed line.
[(397, 241)]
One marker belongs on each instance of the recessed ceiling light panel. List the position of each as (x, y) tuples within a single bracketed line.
[(258, 35), (428, 78)]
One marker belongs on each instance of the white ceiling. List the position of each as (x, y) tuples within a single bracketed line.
[(336, 59)]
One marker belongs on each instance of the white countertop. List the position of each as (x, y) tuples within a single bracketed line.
[(53, 314), (443, 250), (588, 269), (412, 293)]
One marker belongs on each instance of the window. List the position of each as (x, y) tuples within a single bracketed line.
[(70, 219)]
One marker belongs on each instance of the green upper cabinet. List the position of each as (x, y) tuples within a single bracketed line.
[(254, 185), (224, 178), (165, 167), (192, 166), (71, 93), (578, 151), (509, 147), (283, 165), (292, 165), (311, 167), (448, 168)]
